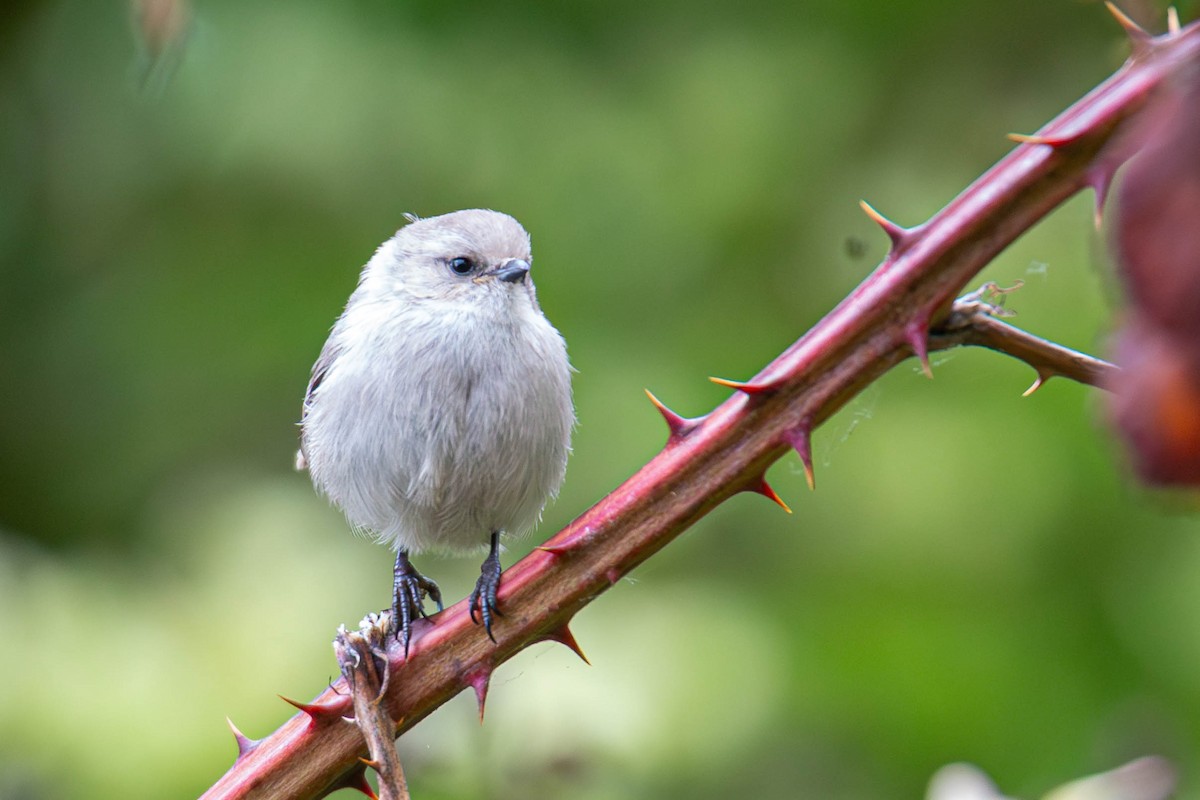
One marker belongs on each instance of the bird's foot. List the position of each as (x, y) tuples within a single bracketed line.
[(484, 594), (409, 589)]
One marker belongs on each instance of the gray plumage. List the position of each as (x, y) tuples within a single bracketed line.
[(439, 411)]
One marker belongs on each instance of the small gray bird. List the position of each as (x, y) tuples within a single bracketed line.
[(439, 412)]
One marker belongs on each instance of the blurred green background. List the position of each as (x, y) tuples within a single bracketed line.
[(184, 210)]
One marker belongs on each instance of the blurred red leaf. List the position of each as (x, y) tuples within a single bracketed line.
[(1156, 403)]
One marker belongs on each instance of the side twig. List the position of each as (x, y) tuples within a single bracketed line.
[(974, 321), (363, 662)]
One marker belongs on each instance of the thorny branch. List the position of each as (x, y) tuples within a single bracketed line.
[(707, 460)]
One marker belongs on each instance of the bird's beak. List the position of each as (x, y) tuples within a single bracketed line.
[(513, 271)]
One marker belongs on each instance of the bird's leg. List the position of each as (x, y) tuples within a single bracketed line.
[(409, 588), (484, 594)]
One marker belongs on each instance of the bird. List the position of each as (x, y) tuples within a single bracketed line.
[(438, 416)]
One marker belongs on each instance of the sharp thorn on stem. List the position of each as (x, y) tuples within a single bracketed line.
[(245, 744), (318, 712), (1100, 178), (764, 488), (899, 235), (746, 388), (1042, 377), (479, 680), (355, 779), (1139, 39), (917, 335), (800, 438), (1055, 141), (363, 786), (567, 541), (563, 636), (678, 426)]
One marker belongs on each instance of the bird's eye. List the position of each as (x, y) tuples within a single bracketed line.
[(461, 265)]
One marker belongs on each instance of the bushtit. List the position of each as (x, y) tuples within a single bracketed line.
[(439, 412)]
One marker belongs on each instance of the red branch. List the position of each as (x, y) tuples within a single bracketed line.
[(707, 460)]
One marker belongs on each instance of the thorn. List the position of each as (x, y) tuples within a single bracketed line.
[(1098, 208), (245, 744), (356, 778), (612, 576), (563, 635), (1100, 178), (748, 388), (679, 426), (917, 335), (1139, 40), (364, 786), (576, 538), (764, 488), (899, 235), (369, 763), (1026, 138), (1124, 20), (479, 680), (318, 712), (1172, 20), (1042, 377), (800, 438), (1059, 140)]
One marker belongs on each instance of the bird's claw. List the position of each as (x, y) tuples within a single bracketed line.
[(409, 589), (483, 595)]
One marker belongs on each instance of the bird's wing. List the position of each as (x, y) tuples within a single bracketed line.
[(329, 354)]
